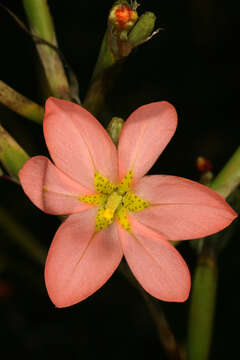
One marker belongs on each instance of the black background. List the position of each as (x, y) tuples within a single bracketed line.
[(193, 63)]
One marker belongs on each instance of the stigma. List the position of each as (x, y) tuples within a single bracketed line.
[(113, 202)]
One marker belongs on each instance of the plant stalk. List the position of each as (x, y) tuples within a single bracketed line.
[(41, 24), (20, 104)]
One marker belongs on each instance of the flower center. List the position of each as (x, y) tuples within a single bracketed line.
[(114, 201)]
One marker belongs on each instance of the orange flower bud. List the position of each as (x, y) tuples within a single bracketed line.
[(203, 164), (123, 17)]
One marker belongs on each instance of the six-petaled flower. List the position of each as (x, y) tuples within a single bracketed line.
[(113, 208)]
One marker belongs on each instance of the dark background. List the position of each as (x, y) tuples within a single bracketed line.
[(194, 64)]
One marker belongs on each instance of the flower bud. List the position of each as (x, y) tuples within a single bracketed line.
[(143, 29), (204, 167), (123, 17), (114, 129), (203, 164)]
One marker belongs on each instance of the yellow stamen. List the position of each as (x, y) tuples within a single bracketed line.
[(102, 184), (125, 184), (95, 199), (122, 217)]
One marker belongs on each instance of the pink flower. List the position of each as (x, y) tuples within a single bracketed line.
[(114, 209)]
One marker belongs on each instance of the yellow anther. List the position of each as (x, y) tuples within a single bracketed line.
[(122, 217), (101, 221), (95, 199), (102, 184), (125, 184), (133, 203)]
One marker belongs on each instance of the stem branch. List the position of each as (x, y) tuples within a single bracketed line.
[(20, 104), (41, 24)]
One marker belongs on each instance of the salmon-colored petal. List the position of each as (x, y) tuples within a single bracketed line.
[(80, 260), (182, 209), (50, 189), (77, 142), (155, 263), (144, 136)]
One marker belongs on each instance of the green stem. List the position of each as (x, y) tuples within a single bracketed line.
[(105, 58), (202, 308), (229, 177), (104, 75), (22, 237), (41, 24), (20, 104), (203, 297), (12, 156)]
